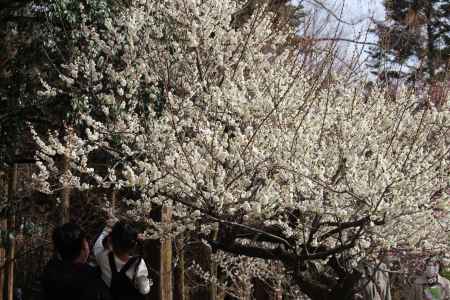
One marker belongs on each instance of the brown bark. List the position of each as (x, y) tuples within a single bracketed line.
[(212, 290), (165, 279), (430, 41), (216, 293), (180, 288), (12, 186), (65, 208), (113, 200), (277, 294), (2, 258), (246, 293), (220, 293)]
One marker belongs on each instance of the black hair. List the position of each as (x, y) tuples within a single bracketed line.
[(68, 241), (123, 238)]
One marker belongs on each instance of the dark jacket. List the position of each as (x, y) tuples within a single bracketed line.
[(72, 281)]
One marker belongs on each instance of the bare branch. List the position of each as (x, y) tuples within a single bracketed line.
[(333, 14)]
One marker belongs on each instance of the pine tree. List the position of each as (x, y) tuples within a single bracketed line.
[(414, 40)]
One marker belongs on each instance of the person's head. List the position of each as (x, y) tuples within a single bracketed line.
[(70, 243), (432, 267), (123, 238)]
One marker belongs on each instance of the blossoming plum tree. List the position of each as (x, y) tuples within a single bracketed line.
[(261, 158)]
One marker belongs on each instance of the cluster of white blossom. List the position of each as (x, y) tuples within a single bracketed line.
[(240, 272), (224, 121)]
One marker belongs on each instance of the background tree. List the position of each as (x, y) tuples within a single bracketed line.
[(414, 40)]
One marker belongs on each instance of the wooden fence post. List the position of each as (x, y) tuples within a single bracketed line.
[(113, 201), (179, 288), (277, 293), (246, 292), (221, 290), (165, 279), (12, 186), (3, 229), (220, 293), (214, 291), (65, 208)]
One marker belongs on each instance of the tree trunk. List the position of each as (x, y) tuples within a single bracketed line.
[(246, 292), (12, 187), (430, 41), (344, 290), (180, 289), (113, 201), (165, 283), (216, 293), (220, 292), (65, 208), (277, 294), (213, 291), (3, 237), (3, 227)]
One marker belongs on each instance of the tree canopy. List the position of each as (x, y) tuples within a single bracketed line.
[(256, 155)]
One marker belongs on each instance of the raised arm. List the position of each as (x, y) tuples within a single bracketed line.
[(99, 246), (100, 243)]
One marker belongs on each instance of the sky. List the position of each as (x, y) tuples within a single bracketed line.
[(357, 12), (353, 11)]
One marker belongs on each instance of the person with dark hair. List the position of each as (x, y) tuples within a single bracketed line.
[(126, 275), (70, 243), (67, 275)]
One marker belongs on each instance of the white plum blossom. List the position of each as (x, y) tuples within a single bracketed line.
[(200, 114)]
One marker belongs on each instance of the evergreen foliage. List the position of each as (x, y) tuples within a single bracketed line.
[(414, 40)]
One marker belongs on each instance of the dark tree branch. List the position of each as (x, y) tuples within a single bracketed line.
[(337, 39), (216, 218), (340, 226), (314, 228), (326, 253), (336, 266)]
